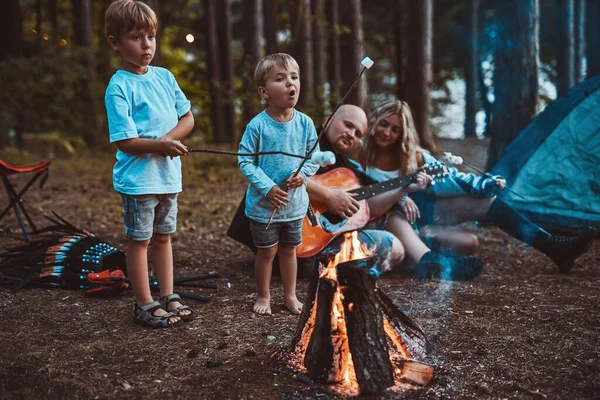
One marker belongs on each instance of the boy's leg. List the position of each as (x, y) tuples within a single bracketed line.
[(288, 267), (139, 215), (263, 268), (137, 271), (290, 236), (162, 254)]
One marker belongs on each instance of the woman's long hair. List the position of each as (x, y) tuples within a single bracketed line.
[(407, 144)]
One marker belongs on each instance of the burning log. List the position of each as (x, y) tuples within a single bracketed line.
[(350, 331), (364, 323)]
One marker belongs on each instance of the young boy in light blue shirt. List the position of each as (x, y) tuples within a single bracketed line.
[(148, 115), (278, 128)]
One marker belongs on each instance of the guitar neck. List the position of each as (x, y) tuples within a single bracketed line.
[(366, 192)]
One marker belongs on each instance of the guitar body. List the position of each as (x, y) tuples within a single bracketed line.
[(315, 238)]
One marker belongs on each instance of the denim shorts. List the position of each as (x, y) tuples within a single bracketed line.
[(288, 234), (426, 204), (147, 214)]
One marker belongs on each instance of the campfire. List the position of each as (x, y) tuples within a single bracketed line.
[(352, 334)]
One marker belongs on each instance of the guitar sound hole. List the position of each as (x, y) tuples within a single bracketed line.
[(333, 218)]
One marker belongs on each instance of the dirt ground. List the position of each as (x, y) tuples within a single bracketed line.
[(519, 330)]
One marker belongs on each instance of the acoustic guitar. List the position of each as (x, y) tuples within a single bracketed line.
[(325, 226)]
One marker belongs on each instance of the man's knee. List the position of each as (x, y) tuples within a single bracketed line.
[(398, 253)]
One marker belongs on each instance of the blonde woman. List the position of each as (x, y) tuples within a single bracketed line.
[(391, 148)]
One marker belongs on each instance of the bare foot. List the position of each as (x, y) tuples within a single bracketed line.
[(262, 306), (293, 305)]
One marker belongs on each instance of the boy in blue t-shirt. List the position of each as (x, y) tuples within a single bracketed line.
[(148, 115), (278, 128)]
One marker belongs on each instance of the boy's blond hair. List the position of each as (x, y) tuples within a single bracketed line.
[(124, 15), (282, 60)]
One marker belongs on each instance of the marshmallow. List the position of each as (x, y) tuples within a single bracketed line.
[(367, 62), (323, 158)]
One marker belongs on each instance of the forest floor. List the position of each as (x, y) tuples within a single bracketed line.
[(519, 330)]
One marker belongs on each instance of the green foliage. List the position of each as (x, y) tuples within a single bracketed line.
[(40, 94)]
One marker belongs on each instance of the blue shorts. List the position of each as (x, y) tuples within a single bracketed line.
[(288, 234), (147, 214)]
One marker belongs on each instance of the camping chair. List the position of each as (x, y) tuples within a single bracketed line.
[(15, 199)]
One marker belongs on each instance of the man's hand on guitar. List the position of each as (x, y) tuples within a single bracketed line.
[(341, 203), (294, 182), (421, 181), (277, 197)]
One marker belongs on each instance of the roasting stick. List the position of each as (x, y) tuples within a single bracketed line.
[(366, 64), (458, 160)]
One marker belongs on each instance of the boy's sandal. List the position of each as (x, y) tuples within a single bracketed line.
[(164, 301), (145, 316)]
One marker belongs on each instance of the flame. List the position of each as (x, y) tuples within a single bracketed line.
[(351, 249)]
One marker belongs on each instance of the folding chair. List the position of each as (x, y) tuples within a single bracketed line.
[(15, 199)]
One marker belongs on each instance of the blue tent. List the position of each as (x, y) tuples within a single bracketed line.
[(554, 163)]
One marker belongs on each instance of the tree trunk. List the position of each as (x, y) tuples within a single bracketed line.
[(38, 26), (11, 37), (593, 38), (352, 48), (155, 5), (52, 10), (84, 39), (335, 52), (565, 55), (214, 73), (515, 76), (320, 73), (400, 31), (579, 39), (420, 68), (472, 68), (302, 39), (225, 33), (253, 24), (271, 25), (11, 47)]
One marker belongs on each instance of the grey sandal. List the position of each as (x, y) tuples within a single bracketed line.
[(145, 316), (164, 301)]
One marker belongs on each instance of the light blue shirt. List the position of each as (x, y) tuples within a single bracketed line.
[(296, 136), (144, 106)]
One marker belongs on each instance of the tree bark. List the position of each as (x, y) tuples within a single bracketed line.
[(253, 23), (420, 68), (271, 25), (84, 39), (302, 39), (400, 45), (472, 68), (319, 59), (593, 38), (225, 34), (515, 76), (565, 56), (579, 39), (214, 73), (335, 53), (11, 37), (352, 51)]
